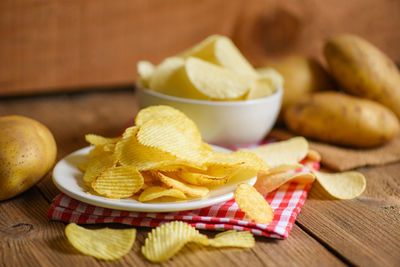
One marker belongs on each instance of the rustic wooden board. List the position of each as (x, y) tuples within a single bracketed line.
[(73, 45), (31, 237)]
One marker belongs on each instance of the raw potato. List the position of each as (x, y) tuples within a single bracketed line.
[(27, 153), (302, 76), (342, 119), (363, 70)]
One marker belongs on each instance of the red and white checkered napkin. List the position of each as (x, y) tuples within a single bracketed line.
[(285, 201)]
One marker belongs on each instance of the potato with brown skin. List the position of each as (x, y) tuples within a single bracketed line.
[(27, 152), (302, 76), (342, 119), (363, 70)]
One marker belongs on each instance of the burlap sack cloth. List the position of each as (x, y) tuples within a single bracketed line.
[(341, 158)]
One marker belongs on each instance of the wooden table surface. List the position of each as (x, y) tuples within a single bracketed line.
[(328, 232)]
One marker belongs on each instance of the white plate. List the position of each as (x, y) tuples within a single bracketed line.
[(68, 179)]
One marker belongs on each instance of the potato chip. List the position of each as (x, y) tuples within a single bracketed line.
[(253, 204), (220, 50), (96, 165), (168, 136), (343, 185), (166, 240), (98, 140), (313, 155), (261, 87), (154, 192), (212, 176), (241, 158), (189, 190), (170, 78), (279, 154), (118, 182), (274, 76), (145, 70), (269, 182), (103, 244), (233, 238), (216, 82)]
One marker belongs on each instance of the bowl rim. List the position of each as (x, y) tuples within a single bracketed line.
[(271, 97)]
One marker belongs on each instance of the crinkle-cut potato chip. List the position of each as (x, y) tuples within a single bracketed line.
[(163, 112), (253, 204), (103, 244), (167, 135), (269, 182), (154, 192), (233, 238), (188, 189), (241, 158), (289, 152), (98, 164), (118, 182), (145, 70), (220, 50), (166, 240), (261, 87), (216, 82), (170, 78), (342, 185)]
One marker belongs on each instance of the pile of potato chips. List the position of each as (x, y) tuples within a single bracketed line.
[(214, 69), (161, 158)]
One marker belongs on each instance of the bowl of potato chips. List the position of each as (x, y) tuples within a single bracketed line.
[(215, 86)]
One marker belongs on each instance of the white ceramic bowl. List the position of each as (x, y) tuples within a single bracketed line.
[(229, 123)]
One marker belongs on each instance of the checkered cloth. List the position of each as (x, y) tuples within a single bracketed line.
[(285, 201)]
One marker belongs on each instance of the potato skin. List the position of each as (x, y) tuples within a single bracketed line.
[(342, 119), (27, 152), (363, 70)]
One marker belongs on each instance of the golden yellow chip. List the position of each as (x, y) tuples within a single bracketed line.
[(212, 176), (220, 50), (241, 159), (216, 82), (170, 78), (253, 204), (168, 136), (274, 76), (189, 190), (269, 182), (155, 192), (98, 140), (118, 182), (145, 70), (96, 165), (313, 155), (261, 87), (344, 185), (285, 153), (103, 244), (233, 238), (166, 240)]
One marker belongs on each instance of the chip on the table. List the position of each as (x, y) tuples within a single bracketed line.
[(269, 182), (253, 204), (284, 155), (216, 82), (232, 238), (118, 182), (166, 240), (342, 185), (104, 244), (154, 192), (188, 189)]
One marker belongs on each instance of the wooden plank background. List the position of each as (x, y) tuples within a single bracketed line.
[(48, 46)]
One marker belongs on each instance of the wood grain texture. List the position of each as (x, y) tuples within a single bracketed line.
[(31, 239), (74, 45)]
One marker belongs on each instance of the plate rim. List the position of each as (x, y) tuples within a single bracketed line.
[(135, 206)]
